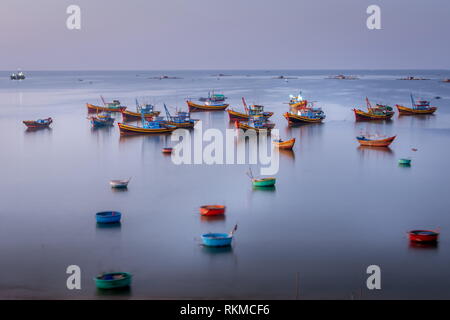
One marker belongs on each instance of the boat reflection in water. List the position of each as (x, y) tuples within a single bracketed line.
[(213, 219), (217, 250), (418, 245), (118, 292), (115, 226)]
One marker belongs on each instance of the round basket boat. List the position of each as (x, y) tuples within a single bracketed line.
[(113, 280), (404, 161), (108, 217), (212, 210), (217, 239), (427, 236)]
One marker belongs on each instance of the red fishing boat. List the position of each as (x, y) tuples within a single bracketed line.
[(40, 123), (212, 210), (423, 235)]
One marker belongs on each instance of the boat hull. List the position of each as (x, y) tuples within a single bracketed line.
[(410, 111), (239, 116), (136, 116), (285, 145), (377, 143), (97, 123), (423, 236), (366, 116), (217, 239), (186, 125), (214, 210), (244, 126), (133, 130), (296, 119), (31, 124), (108, 217), (194, 107), (125, 281), (92, 108), (266, 182)]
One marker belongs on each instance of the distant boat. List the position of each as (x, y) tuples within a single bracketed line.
[(404, 161), (262, 182), (17, 76), (417, 108), (379, 112), (108, 217), (113, 106), (285, 145), (301, 113), (102, 120), (37, 124), (214, 102), (119, 183), (113, 280), (251, 111), (423, 236), (257, 124), (212, 210), (167, 150), (180, 120), (375, 141)]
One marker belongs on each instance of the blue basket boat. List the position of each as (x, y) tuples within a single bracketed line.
[(108, 217), (217, 239)]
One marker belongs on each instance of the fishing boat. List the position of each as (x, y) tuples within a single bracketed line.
[(374, 140), (147, 109), (212, 210), (214, 102), (253, 110), (119, 183), (113, 280), (423, 235), (421, 107), (17, 76), (446, 80), (284, 144), (404, 161), (218, 239), (257, 124), (181, 120), (113, 106), (262, 182), (37, 124), (156, 126), (297, 101), (304, 114), (102, 120), (167, 150), (379, 112), (108, 217)]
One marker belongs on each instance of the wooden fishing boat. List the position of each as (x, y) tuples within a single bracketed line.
[(379, 112), (264, 182), (258, 125), (285, 145), (113, 280), (92, 108), (297, 101), (423, 236), (212, 210), (180, 120), (374, 141), (147, 109), (108, 217), (294, 119), (214, 102), (404, 161), (37, 124), (419, 108), (119, 183), (100, 120), (304, 113), (195, 107), (156, 129), (254, 110)]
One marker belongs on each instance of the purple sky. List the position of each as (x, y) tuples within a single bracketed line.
[(219, 34)]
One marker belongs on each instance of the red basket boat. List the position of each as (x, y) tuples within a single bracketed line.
[(212, 210), (423, 236)]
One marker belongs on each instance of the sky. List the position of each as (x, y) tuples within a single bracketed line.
[(219, 34)]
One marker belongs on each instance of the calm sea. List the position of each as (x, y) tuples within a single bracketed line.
[(336, 208)]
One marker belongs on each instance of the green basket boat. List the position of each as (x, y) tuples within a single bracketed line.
[(404, 161), (265, 182), (113, 280)]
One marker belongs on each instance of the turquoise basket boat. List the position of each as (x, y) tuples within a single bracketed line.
[(265, 182), (113, 280), (217, 239), (108, 217), (404, 161)]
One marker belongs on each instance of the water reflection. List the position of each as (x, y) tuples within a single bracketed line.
[(109, 226), (117, 292), (370, 152), (267, 189), (213, 219), (419, 245), (217, 250), (287, 153)]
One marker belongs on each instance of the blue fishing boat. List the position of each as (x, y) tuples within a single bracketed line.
[(108, 217), (181, 120), (102, 120), (218, 239)]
